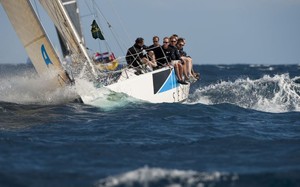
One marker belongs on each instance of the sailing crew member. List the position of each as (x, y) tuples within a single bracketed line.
[(176, 60), (188, 73), (137, 55), (163, 54)]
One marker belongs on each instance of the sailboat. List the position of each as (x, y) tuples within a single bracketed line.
[(152, 86)]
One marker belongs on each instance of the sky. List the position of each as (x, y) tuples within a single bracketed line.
[(216, 31)]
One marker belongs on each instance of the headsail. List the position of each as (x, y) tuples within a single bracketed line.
[(34, 40)]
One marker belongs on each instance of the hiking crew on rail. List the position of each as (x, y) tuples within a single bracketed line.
[(142, 57)]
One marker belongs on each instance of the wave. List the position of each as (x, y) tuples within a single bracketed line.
[(148, 177), (274, 94), (165, 177)]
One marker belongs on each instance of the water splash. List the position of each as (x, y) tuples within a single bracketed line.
[(31, 89), (270, 94)]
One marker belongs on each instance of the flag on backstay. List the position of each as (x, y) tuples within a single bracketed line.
[(96, 32)]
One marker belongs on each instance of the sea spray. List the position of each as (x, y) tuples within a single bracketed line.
[(30, 89)]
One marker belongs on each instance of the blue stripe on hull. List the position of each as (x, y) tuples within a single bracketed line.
[(170, 83)]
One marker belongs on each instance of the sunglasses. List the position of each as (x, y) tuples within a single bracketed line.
[(173, 41), (155, 40), (181, 44), (166, 42)]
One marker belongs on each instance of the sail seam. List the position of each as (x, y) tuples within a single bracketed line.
[(38, 38)]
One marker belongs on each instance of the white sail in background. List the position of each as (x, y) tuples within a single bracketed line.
[(34, 40)]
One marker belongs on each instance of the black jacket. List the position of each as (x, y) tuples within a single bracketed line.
[(183, 53), (175, 53), (163, 56), (135, 54)]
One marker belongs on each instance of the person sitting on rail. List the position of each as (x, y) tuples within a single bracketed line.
[(176, 60), (137, 55), (187, 61)]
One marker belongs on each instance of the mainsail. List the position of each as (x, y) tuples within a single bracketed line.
[(34, 39), (73, 12), (66, 28)]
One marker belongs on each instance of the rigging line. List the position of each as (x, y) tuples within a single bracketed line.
[(110, 27), (86, 3), (120, 20), (124, 46), (94, 16), (94, 13)]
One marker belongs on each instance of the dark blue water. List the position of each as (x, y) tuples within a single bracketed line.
[(240, 127)]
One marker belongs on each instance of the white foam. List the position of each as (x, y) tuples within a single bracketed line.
[(270, 94), (172, 177)]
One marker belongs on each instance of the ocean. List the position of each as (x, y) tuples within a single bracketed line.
[(239, 127)]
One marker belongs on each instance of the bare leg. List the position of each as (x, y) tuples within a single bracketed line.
[(178, 71), (184, 69), (188, 66)]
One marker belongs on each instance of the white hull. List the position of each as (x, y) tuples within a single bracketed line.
[(158, 86)]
